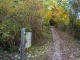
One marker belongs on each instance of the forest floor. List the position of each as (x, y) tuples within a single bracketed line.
[(64, 46)]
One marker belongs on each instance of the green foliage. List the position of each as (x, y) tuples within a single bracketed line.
[(15, 15), (12, 48), (74, 21), (18, 59), (77, 30), (65, 14)]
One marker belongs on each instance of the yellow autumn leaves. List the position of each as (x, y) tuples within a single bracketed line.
[(57, 12)]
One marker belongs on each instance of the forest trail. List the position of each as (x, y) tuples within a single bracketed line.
[(58, 50)]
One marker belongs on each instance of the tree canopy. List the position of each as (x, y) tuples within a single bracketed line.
[(30, 14)]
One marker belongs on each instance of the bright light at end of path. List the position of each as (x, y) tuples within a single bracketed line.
[(49, 8), (78, 15)]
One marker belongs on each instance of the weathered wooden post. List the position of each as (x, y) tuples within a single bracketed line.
[(22, 43)]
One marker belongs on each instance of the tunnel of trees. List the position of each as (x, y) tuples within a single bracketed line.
[(14, 15)]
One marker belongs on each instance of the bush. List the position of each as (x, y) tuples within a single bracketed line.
[(77, 30), (13, 17)]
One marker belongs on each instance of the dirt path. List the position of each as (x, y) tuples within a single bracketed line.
[(58, 50)]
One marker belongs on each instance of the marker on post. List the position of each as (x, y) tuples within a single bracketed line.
[(24, 35)]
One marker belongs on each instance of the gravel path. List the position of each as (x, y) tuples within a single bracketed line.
[(55, 50), (58, 50)]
